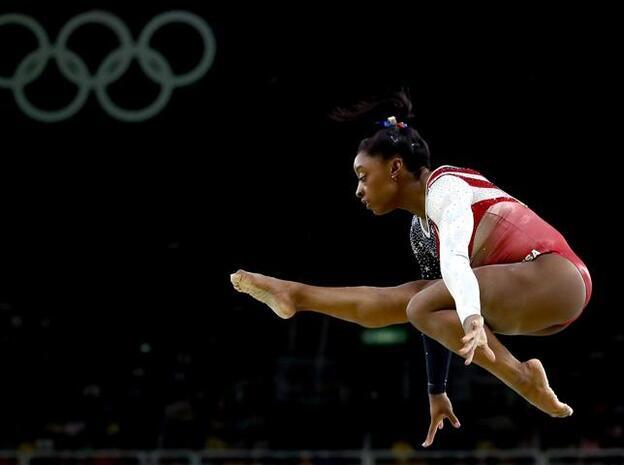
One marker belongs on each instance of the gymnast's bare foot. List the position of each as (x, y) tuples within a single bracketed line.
[(538, 392), (271, 291)]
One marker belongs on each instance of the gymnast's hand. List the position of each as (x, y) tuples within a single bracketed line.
[(439, 408), (475, 338)]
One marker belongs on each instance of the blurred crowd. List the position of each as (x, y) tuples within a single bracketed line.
[(278, 386)]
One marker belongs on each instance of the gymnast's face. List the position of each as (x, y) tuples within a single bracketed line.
[(375, 188)]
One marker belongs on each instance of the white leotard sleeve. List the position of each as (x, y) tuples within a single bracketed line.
[(449, 202)]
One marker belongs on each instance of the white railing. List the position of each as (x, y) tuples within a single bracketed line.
[(334, 457)]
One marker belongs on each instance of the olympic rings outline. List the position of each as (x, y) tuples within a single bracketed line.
[(112, 67)]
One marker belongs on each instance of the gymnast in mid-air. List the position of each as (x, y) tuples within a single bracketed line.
[(489, 265)]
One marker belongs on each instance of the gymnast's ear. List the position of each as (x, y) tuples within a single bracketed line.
[(396, 165)]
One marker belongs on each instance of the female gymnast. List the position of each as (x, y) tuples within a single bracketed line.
[(489, 265)]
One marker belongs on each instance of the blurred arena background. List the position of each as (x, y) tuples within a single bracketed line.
[(128, 196)]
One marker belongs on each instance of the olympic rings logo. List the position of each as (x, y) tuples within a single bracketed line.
[(112, 67)]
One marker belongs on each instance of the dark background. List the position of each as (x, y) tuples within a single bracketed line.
[(118, 324)]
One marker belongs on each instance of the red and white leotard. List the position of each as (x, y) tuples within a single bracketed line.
[(456, 199)]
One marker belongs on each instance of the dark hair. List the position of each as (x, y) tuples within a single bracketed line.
[(388, 142)]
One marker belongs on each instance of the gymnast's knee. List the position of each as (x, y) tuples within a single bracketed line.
[(417, 312)]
